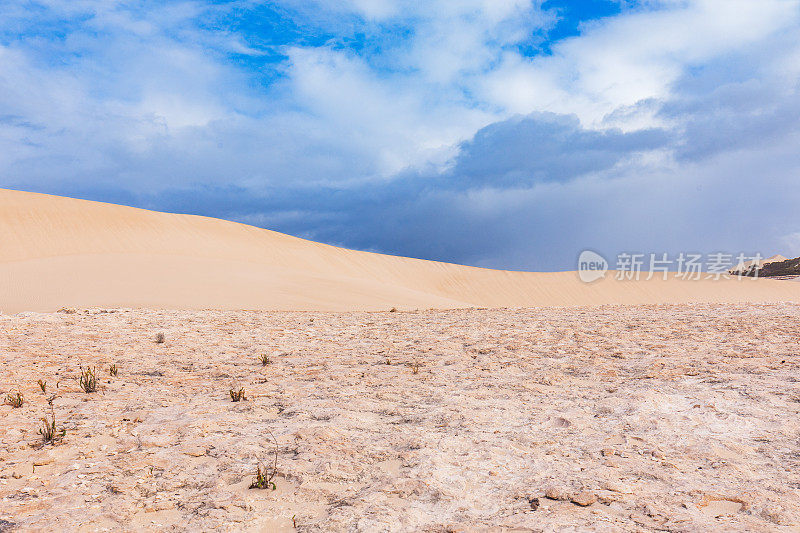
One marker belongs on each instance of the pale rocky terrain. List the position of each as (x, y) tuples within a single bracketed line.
[(656, 418)]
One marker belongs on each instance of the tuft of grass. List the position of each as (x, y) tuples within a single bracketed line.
[(237, 395), (264, 477), (43, 386), (49, 431), (160, 338), (14, 399), (264, 358), (112, 370), (415, 368), (88, 380)]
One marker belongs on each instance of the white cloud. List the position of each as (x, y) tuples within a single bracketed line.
[(415, 112), (632, 57), (402, 123)]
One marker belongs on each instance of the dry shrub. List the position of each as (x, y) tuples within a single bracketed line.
[(49, 431), (264, 477), (14, 399), (237, 395), (88, 379)]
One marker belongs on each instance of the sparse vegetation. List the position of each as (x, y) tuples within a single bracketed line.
[(264, 358), (43, 386), (264, 477), (14, 399), (88, 380), (49, 431), (344, 421), (237, 395), (160, 338), (112, 370)]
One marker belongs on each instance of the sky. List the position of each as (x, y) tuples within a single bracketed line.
[(500, 133)]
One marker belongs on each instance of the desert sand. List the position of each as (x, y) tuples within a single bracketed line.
[(633, 418), (59, 252)]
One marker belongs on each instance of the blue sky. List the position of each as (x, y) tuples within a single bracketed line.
[(501, 133)]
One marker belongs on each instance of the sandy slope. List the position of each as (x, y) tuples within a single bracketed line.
[(58, 252)]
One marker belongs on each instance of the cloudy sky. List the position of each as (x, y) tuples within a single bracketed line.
[(502, 133)]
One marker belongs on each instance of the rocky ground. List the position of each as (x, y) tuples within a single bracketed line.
[(651, 418)]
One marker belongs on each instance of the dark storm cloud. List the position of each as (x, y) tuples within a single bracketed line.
[(741, 101), (545, 147)]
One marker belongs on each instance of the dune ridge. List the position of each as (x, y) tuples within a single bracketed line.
[(62, 252)]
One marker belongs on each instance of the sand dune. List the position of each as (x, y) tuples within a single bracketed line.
[(61, 252)]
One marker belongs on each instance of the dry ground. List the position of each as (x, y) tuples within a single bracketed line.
[(665, 418)]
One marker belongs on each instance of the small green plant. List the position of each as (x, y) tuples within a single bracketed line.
[(112, 370), (14, 399), (237, 395), (88, 380), (264, 477), (264, 358), (43, 386), (160, 338), (49, 431)]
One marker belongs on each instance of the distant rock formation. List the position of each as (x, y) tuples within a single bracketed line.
[(789, 268), (748, 265)]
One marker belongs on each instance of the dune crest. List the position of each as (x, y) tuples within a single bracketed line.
[(61, 252)]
